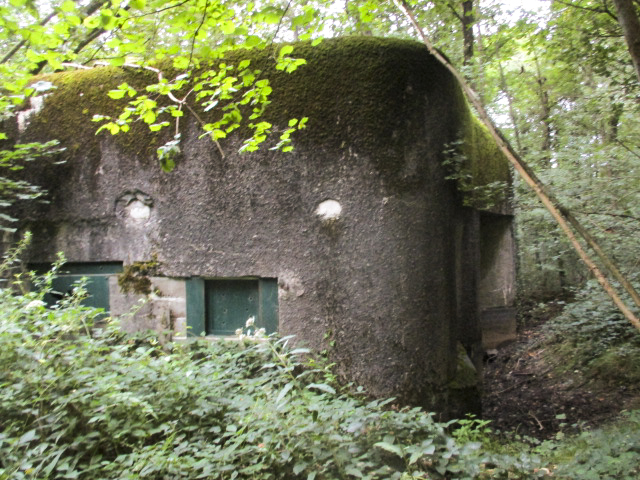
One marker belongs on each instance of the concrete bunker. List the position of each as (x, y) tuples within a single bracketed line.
[(356, 237)]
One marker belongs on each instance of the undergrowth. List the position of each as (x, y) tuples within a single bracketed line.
[(78, 401), (591, 335), (82, 402)]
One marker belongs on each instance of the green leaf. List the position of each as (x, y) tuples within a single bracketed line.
[(158, 126), (167, 164), (299, 467), (415, 456), (180, 63), (284, 392), (74, 20), (149, 117), (107, 19), (353, 471), (389, 447), (252, 41), (228, 27), (285, 50), (68, 6), (91, 22), (322, 387), (27, 437), (116, 94), (269, 15)]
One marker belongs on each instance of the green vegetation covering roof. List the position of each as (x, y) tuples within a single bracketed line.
[(364, 93)]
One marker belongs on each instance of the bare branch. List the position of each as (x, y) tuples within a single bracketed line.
[(452, 8), (195, 34), (23, 42)]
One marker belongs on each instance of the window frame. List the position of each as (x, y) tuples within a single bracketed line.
[(198, 289), (75, 271)]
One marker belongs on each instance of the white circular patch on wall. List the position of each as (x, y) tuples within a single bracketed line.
[(138, 210), (329, 209)]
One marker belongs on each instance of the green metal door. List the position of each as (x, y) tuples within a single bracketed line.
[(220, 307), (229, 304)]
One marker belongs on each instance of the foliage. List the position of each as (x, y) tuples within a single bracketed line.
[(459, 170), (78, 401), (610, 453), (593, 336), (182, 42), (13, 190), (471, 429)]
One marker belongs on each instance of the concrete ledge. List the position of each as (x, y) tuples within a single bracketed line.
[(498, 326)]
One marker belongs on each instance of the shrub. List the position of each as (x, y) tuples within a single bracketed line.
[(78, 401), (82, 402), (591, 334)]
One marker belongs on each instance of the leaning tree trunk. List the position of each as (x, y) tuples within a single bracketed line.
[(565, 219), (628, 20)]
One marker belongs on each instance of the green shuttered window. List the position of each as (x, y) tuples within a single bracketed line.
[(70, 274), (221, 306)]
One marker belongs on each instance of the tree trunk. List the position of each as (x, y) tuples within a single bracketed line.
[(545, 116), (512, 112), (468, 19), (628, 20)]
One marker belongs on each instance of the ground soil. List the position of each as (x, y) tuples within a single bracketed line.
[(524, 392)]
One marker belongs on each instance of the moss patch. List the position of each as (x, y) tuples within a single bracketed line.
[(135, 277), (466, 375), (69, 109), (488, 167), (361, 93)]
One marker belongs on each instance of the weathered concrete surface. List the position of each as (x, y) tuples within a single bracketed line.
[(391, 281), (496, 293)]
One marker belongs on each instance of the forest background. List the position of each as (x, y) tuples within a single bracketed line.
[(557, 77)]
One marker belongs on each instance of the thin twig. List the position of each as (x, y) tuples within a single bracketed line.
[(536, 419), (195, 34), (628, 149), (278, 27), (589, 9), (195, 114)]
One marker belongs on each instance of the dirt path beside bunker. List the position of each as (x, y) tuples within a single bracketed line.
[(525, 394)]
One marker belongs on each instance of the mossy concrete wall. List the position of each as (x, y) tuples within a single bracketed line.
[(389, 287)]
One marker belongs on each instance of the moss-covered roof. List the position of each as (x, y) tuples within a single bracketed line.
[(353, 89)]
